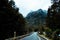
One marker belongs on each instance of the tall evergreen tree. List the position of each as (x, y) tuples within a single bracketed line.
[(54, 16), (10, 20), (53, 19)]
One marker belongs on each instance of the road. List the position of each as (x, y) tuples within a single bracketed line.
[(33, 36)]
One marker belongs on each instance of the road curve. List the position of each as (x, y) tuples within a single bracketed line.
[(32, 36)]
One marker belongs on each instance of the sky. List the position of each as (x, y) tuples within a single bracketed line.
[(26, 6)]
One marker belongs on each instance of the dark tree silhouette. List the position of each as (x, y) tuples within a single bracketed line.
[(54, 16), (53, 19), (10, 20)]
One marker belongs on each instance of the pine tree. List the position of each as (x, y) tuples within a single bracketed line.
[(10, 20), (53, 16)]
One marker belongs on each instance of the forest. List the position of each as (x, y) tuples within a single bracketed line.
[(11, 20)]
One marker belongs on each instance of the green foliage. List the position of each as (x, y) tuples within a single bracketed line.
[(53, 19), (54, 16), (12, 3), (55, 34), (10, 20), (48, 32)]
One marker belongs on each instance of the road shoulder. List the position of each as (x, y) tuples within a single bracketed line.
[(44, 37)]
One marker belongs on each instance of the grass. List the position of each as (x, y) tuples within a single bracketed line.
[(44, 36)]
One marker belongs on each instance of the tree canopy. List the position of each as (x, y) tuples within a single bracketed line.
[(54, 16), (10, 20)]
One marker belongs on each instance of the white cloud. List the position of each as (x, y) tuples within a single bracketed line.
[(28, 5)]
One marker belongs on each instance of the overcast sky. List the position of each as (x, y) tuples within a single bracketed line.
[(27, 6)]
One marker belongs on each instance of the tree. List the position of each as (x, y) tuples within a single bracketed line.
[(53, 16), (55, 35), (10, 20), (53, 1)]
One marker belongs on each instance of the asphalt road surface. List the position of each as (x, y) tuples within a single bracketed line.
[(33, 36)]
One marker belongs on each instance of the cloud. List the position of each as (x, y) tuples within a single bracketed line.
[(26, 6)]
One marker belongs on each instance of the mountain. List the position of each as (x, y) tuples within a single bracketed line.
[(36, 18)]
